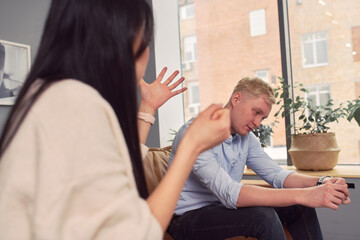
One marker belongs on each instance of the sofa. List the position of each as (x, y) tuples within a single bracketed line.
[(155, 166)]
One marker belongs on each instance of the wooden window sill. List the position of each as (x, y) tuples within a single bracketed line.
[(344, 171)]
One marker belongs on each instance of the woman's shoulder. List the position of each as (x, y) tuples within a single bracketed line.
[(70, 88), (69, 94)]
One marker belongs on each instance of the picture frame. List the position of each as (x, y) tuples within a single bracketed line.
[(15, 64)]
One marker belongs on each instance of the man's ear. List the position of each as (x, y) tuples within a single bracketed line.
[(236, 97)]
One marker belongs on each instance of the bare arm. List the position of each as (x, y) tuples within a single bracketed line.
[(327, 195), (296, 180), (211, 127)]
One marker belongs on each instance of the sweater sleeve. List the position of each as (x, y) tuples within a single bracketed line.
[(144, 150), (84, 186)]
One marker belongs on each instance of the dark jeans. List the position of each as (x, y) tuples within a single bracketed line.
[(217, 222)]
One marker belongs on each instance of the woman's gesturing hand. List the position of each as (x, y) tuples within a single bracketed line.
[(155, 94)]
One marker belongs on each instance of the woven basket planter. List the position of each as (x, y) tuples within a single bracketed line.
[(314, 151)]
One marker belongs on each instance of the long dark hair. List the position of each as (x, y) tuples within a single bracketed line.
[(91, 41)]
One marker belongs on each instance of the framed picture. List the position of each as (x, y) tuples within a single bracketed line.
[(14, 67)]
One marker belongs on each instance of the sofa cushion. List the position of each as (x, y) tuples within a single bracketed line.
[(155, 166)]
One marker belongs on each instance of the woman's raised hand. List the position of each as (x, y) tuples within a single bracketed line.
[(154, 95), (210, 128)]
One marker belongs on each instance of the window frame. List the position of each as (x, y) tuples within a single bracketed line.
[(193, 49), (184, 8), (313, 42), (266, 71), (169, 26), (191, 103), (318, 92), (255, 19), (167, 54)]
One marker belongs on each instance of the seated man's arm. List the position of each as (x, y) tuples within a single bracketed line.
[(302, 189), (296, 180), (216, 180), (327, 195)]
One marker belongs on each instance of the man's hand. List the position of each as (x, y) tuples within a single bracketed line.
[(337, 180), (329, 195)]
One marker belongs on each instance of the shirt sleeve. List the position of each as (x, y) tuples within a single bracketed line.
[(263, 165), (213, 177), (210, 174), (144, 150)]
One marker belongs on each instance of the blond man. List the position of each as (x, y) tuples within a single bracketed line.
[(215, 205)]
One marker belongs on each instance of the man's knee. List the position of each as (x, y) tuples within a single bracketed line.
[(268, 224), (267, 215)]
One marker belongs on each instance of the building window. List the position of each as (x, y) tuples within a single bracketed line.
[(193, 98), (187, 11), (314, 49), (262, 74), (257, 22), (318, 95), (189, 49)]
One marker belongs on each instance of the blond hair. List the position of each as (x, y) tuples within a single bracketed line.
[(256, 87)]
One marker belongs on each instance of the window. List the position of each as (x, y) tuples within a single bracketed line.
[(262, 74), (187, 11), (257, 22), (222, 54), (226, 57), (193, 98), (333, 50), (314, 47), (318, 95), (189, 49)]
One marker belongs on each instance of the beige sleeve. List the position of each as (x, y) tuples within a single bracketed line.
[(84, 184), (144, 150)]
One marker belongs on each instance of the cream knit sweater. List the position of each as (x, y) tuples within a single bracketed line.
[(67, 173)]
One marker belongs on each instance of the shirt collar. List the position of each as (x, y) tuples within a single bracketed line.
[(231, 138)]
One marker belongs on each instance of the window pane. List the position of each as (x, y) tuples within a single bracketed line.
[(321, 52), (187, 11), (332, 24), (308, 54), (189, 48), (194, 93), (324, 98), (312, 99), (257, 22), (226, 51), (263, 74)]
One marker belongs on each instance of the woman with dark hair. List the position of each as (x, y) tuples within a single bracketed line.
[(71, 165)]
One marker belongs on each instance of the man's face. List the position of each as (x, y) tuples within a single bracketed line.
[(247, 112)]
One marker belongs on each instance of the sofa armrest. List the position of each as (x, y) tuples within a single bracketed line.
[(155, 166)]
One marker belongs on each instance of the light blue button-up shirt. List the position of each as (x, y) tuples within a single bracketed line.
[(216, 175)]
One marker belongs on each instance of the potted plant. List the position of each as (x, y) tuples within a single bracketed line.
[(312, 146), (353, 110), (263, 133)]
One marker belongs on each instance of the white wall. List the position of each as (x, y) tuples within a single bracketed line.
[(167, 53)]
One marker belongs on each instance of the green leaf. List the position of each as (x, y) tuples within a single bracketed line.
[(357, 115)]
